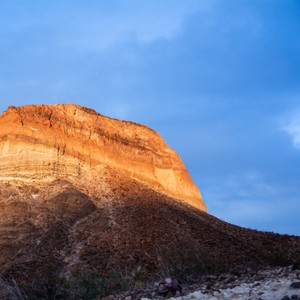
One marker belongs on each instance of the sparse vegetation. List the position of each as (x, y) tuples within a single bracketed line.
[(86, 284), (187, 259), (275, 256), (152, 237), (9, 290), (83, 284)]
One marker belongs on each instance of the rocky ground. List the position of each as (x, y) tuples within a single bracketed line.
[(281, 283), (123, 234)]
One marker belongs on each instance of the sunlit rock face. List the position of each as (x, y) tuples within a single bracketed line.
[(46, 142)]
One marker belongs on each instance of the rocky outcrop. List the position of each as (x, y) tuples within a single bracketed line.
[(45, 142)]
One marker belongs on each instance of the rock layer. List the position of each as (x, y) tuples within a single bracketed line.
[(45, 142)]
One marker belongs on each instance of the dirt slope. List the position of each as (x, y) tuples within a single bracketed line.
[(59, 228)]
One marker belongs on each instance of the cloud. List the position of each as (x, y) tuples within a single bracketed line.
[(248, 186), (292, 127), (247, 199), (108, 32), (102, 27)]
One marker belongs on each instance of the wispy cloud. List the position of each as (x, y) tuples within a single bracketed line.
[(249, 186), (248, 199), (292, 127), (101, 27), (142, 24)]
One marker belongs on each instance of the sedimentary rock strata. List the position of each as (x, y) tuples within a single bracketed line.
[(44, 142)]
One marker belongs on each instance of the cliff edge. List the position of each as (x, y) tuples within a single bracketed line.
[(47, 142)]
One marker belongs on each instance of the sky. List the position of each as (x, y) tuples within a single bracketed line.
[(218, 79)]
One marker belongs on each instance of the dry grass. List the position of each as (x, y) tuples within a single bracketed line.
[(9, 290)]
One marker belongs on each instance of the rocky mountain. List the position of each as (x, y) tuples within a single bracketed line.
[(90, 204), (45, 142)]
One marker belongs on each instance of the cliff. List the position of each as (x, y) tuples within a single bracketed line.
[(41, 143)]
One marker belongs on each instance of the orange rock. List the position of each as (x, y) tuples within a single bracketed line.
[(45, 142)]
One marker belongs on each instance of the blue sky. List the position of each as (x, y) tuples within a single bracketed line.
[(219, 80)]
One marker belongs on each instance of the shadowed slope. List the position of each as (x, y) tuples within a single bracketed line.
[(64, 230)]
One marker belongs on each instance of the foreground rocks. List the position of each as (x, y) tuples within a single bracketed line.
[(264, 285), (272, 283)]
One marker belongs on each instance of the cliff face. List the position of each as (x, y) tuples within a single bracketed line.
[(46, 142)]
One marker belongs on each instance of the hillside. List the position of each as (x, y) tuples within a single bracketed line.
[(73, 205)]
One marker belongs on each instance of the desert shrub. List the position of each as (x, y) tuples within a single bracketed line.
[(117, 281), (188, 259), (123, 280), (9, 290), (137, 276), (46, 284), (86, 285), (275, 256)]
